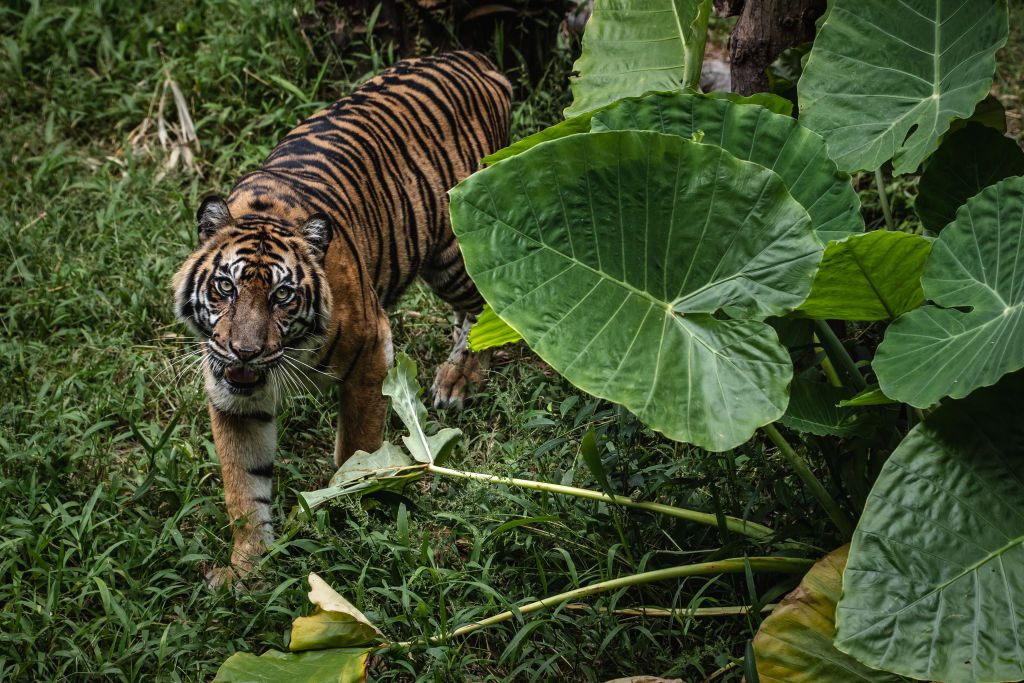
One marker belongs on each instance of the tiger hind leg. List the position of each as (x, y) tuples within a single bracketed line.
[(463, 369)]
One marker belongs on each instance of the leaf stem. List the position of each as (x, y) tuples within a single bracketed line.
[(728, 611), (803, 470), (731, 566), (693, 49), (837, 353), (826, 365), (734, 524), (883, 199)]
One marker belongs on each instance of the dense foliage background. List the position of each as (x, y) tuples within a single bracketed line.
[(110, 500)]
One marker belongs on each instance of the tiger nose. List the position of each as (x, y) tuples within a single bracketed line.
[(245, 352)]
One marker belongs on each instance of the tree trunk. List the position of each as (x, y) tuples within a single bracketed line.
[(766, 28)]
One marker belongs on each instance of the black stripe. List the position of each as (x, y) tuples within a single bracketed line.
[(375, 160), (263, 471), (256, 416), (325, 360)]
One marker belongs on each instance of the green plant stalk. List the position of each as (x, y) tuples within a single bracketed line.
[(838, 516), (739, 526), (693, 51), (883, 199), (826, 365), (677, 612), (836, 353), (731, 566)]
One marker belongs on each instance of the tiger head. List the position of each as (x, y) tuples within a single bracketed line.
[(255, 292)]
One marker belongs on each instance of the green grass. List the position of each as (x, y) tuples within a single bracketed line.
[(110, 499)]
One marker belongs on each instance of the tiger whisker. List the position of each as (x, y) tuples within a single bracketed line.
[(177, 363), (310, 367), (297, 384), (281, 380), (305, 385), (190, 366)]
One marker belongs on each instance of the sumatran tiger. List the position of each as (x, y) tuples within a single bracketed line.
[(294, 271)]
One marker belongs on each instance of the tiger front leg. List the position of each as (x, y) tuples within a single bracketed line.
[(362, 408), (245, 446)]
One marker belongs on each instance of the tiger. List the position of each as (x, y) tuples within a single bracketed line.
[(295, 269)]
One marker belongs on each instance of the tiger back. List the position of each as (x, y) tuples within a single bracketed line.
[(380, 162), (296, 267)]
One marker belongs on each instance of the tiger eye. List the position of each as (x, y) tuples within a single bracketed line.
[(224, 286), (283, 294)]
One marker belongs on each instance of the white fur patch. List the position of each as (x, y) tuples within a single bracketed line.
[(264, 399), (389, 350)]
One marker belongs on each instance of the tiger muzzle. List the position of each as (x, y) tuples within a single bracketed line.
[(243, 377)]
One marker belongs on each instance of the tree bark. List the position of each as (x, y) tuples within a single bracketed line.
[(766, 28)]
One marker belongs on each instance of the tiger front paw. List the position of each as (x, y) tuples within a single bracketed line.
[(222, 578)]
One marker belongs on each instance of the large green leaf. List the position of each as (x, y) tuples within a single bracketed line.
[(335, 623), (404, 389), (581, 123), (322, 645), (577, 124), (813, 407), (614, 253), (753, 133), (989, 112), (976, 272), (794, 644), (490, 331), (340, 665), (873, 276), (934, 587), (635, 46), (389, 468), (770, 101), (885, 77), (968, 161)]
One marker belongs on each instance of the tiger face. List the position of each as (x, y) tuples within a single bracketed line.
[(255, 292)]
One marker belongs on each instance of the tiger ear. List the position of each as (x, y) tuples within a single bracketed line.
[(213, 215), (317, 233)]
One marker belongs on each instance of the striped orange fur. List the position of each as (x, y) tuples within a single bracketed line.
[(294, 270)]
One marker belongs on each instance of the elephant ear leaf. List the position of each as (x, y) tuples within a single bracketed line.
[(402, 387), (635, 46), (336, 665), (490, 331), (872, 276), (752, 133), (974, 334), (814, 408), (885, 79), (794, 644), (932, 586), (968, 161), (331, 645), (641, 266)]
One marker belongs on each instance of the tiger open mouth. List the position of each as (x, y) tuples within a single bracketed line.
[(243, 377)]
